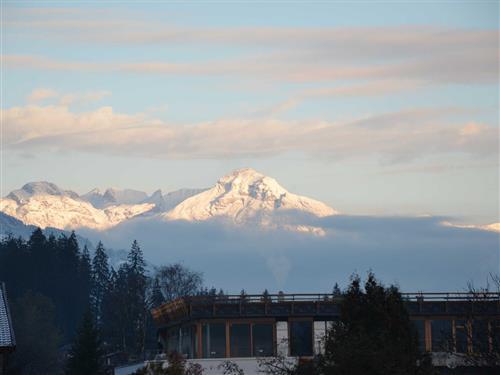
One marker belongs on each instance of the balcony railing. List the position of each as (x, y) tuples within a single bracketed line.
[(315, 304)]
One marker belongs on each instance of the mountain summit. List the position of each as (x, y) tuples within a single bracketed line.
[(242, 195)]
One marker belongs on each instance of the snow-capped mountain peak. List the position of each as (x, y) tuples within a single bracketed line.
[(243, 195), (39, 188), (44, 204)]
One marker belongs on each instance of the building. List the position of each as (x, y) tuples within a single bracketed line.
[(211, 329), (7, 340)]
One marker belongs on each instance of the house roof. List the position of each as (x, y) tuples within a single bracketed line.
[(7, 340)]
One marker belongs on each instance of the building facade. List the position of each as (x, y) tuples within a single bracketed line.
[(246, 329)]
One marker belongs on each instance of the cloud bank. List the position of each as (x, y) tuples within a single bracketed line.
[(416, 253), (396, 136)]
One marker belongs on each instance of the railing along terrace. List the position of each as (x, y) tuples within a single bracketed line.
[(322, 297), (307, 304)]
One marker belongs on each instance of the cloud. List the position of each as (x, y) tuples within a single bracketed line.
[(418, 253), (374, 88), (66, 99), (83, 98), (38, 95), (395, 136), (461, 67)]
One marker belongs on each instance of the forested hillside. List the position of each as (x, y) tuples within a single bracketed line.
[(52, 283)]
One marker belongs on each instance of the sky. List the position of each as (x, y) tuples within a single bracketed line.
[(375, 108)]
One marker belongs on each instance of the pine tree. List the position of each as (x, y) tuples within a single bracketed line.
[(136, 304), (84, 279), (336, 292), (100, 281), (85, 356), (374, 334), (156, 297)]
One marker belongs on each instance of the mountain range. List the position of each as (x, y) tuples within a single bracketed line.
[(242, 197)]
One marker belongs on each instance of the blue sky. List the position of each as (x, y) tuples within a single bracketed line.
[(387, 108)]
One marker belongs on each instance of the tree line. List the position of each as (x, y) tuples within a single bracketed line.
[(55, 287)]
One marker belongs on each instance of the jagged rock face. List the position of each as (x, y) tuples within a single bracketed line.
[(243, 195)]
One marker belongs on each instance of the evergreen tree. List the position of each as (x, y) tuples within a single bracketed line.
[(374, 334), (156, 297), (85, 356), (67, 262), (84, 280), (100, 281), (136, 304)]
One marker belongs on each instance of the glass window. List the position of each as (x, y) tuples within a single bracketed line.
[(301, 338), (495, 328), (263, 340), (173, 340), (214, 340), (461, 336), (480, 336), (442, 335), (420, 328), (188, 341), (240, 340)]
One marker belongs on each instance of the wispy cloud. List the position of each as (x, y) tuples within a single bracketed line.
[(66, 99), (38, 95), (397, 136), (300, 54)]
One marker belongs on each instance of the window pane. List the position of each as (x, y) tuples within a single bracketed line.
[(495, 325), (301, 338), (420, 327), (461, 336), (441, 335), (188, 341), (214, 340), (173, 340), (240, 340), (480, 336), (263, 340)]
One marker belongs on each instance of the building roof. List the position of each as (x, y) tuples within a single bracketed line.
[(318, 306), (7, 340)]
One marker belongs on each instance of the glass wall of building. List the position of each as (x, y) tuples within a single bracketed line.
[(420, 327), (188, 341), (263, 339), (460, 336), (495, 335), (240, 340), (214, 340), (173, 340), (442, 335), (480, 336), (301, 338)]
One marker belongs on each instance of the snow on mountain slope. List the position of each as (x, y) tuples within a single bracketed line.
[(39, 188), (241, 196), (493, 227), (45, 205), (114, 196), (173, 198), (245, 195)]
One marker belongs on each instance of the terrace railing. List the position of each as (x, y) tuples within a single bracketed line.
[(315, 304)]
